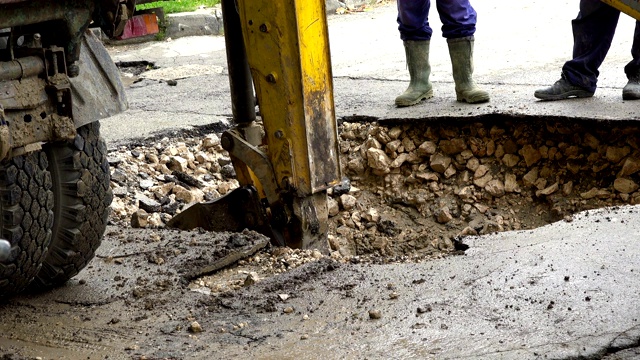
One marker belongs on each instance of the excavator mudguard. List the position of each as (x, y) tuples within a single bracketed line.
[(97, 92)]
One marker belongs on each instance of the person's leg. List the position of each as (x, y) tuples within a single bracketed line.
[(413, 20), (631, 91), (416, 34), (458, 18), (593, 32), (458, 27)]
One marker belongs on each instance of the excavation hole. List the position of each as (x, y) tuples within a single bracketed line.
[(437, 181), (413, 190), (136, 67)]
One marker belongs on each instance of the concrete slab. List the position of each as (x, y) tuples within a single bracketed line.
[(208, 21), (565, 291)]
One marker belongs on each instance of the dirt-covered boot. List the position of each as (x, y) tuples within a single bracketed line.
[(562, 89), (420, 88), (631, 91), (461, 53)]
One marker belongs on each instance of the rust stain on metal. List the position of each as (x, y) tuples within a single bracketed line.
[(322, 150), (283, 157)]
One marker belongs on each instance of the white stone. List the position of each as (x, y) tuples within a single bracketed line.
[(347, 201), (511, 184), (495, 188), (333, 207), (377, 159), (372, 215), (177, 163)]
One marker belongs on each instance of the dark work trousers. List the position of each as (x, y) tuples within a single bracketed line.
[(593, 32), (457, 16)]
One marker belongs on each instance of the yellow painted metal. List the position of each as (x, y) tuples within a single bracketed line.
[(288, 53), (629, 7)]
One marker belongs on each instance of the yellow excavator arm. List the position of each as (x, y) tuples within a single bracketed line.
[(287, 158)]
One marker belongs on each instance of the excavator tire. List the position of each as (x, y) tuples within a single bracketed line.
[(26, 218), (82, 196)]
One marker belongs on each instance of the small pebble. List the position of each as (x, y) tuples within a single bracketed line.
[(195, 327), (375, 314)]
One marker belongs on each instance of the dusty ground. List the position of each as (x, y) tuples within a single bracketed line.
[(141, 297), (134, 301)]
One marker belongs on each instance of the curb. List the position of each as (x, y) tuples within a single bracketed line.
[(198, 23)]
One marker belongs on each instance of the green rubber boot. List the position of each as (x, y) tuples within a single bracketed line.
[(461, 53), (420, 88)]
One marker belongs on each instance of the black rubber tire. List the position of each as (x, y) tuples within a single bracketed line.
[(26, 203), (82, 198)]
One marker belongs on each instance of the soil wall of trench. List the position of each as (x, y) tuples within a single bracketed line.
[(422, 185)]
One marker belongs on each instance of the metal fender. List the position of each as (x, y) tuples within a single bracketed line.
[(97, 92)]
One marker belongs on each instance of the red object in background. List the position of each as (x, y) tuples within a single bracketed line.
[(140, 25)]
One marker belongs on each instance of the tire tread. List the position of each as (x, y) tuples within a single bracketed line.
[(82, 202), (27, 218)]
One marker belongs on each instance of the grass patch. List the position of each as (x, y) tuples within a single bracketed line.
[(176, 6)]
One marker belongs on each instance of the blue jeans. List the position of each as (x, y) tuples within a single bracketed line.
[(593, 32), (457, 16)]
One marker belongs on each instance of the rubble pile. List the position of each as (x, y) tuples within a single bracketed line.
[(413, 189), (153, 182)]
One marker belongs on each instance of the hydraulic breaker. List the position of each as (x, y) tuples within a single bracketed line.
[(288, 155)]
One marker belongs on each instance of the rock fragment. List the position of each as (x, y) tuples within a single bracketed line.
[(439, 163), (625, 186), (139, 219), (348, 202), (195, 327), (375, 314)]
